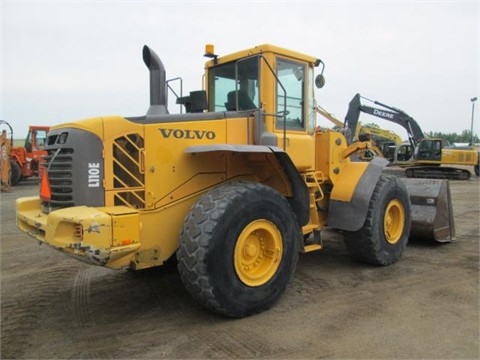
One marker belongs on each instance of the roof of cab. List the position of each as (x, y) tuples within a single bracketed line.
[(264, 48)]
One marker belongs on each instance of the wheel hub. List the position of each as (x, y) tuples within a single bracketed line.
[(258, 252), (394, 221)]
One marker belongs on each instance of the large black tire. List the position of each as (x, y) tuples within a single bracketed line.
[(15, 173), (385, 233), (476, 169), (239, 248)]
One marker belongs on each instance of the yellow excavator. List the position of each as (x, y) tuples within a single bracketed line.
[(422, 156), (381, 140)]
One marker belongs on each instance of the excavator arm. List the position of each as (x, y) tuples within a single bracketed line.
[(415, 133)]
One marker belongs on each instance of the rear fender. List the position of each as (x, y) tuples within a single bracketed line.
[(299, 196), (352, 192)]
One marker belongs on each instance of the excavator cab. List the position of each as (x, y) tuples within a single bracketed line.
[(430, 149)]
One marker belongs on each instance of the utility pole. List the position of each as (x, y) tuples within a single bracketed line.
[(471, 127)]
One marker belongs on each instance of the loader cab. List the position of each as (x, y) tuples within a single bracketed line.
[(276, 83), (276, 80)]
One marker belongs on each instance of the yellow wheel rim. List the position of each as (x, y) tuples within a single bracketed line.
[(258, 252), (394, 221)]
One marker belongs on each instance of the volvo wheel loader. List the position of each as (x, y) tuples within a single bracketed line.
[(234, 188)]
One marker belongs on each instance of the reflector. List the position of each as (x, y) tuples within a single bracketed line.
[(45, 192)]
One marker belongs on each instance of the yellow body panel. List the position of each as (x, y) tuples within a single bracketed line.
[(168, 167), (83, 232), (330, 147), (460, 157), (239, 131), (301, 149), (346, 184), (93, 125)]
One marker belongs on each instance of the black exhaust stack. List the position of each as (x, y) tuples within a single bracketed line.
[(158, 82)]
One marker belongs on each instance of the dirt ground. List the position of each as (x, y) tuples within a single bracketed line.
[(426, 306)]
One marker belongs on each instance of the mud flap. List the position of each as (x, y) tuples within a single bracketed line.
[(432, 213), (350, 214)]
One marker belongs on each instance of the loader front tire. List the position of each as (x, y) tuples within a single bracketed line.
[(239, 248), (385, 233)]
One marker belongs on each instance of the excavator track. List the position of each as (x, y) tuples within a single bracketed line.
[(437, 172)]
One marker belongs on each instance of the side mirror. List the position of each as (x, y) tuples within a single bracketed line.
[(320, 81)]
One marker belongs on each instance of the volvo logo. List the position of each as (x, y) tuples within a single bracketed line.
[(187, 134)]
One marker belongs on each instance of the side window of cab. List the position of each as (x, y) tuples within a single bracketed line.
[(290, 94)]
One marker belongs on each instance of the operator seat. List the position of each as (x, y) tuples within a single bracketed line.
[(244, 101)]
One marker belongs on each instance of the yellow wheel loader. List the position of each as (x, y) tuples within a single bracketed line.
[(234, 188)]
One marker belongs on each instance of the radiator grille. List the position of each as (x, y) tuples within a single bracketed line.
[(59, 167)]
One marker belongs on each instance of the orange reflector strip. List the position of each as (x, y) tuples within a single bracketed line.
[(78, 232), (45, 192)]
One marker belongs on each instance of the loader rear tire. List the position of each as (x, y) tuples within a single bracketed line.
[(385, 233), (239, 248), (15, 173)]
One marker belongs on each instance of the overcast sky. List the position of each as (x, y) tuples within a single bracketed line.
[(63, 61)]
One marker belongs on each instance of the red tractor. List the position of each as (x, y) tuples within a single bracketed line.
[(25, 161)]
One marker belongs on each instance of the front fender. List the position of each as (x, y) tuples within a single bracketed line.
[(352, 192)]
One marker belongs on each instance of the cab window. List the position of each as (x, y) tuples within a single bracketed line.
[(234, 86), (291, 76), (40, 137)]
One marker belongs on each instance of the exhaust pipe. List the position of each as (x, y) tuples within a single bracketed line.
[(158, 82)]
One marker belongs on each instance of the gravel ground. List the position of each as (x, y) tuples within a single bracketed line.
[(426, 306)]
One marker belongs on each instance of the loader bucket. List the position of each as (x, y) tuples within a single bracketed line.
[(432, 214)]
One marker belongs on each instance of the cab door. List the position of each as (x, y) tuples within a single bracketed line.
[(295, 123), (430, 150)]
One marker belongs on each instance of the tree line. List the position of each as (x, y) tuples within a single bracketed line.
[(452, 138)]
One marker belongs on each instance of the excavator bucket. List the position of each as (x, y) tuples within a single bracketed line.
[(432, 214)]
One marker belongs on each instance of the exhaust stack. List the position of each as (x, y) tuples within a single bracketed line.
[(158, 82)]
